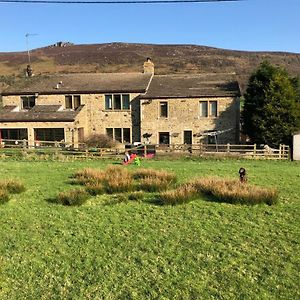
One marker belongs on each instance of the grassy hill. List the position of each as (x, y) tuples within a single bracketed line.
[(124, 57)]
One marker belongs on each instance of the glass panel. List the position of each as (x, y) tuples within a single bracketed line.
[(28, 102), (110, 132), (187, 137), (68, 102), (118, 134), (213, 108), (49, 134), (203, 109), (31, 101), (164, 109), (77, 101), (117, 101), (164, 138), (126, 135), (125, 100), (108, 101)]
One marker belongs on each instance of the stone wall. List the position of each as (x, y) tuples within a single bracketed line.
[(184, 114)]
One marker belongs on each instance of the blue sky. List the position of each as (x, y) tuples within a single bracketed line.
[(254, 25)]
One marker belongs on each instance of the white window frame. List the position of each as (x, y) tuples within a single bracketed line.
[(112, 102)]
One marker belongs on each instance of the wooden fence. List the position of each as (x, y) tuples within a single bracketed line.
[(9, 147)]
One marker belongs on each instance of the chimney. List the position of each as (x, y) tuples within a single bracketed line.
[(148, 66)]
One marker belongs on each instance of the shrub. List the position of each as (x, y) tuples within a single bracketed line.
[(182, 194), (100, 141), (72, 197), (232, 191), (4, 197), (12, 186)]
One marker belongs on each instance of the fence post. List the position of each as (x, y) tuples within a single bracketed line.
[(280, 151), (228, 147), (254, 150)]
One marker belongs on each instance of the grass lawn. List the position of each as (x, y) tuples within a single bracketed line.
[(139, 250)]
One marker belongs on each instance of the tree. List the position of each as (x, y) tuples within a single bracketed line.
[(272, 106)]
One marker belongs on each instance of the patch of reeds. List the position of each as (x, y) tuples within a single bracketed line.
[(12, 186), (117, 180), (95, 188), (88, 175), (152, 173), (151, 185), (233, 191), (183, 194), (114, 179), (74, 197)]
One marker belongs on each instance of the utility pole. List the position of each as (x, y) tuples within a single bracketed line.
[(27, 45)]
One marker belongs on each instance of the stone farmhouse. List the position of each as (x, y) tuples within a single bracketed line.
[(130, 107)]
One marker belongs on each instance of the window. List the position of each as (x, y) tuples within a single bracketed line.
[(118, 134), (126, 135), (110, 132), (208, 109), (121, 135), (72, 101), (68, 100), (203, 109), (164, 138), (27, 102), (212, 108), (163, 109), (117, 102), (49, 134), (125, 101)]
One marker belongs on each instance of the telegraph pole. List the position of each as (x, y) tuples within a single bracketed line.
[(27, 46)]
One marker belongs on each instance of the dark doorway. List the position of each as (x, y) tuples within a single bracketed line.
[(187, 137), (164, 138)]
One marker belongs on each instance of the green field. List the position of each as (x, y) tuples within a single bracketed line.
[(138, 250)]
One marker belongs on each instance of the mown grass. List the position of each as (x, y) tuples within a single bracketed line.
[(110, 249)]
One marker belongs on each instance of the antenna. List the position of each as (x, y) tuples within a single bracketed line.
[(28, 51)]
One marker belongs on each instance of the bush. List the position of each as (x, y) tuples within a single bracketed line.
[(72, 197), (12, 186), (233, 191), (100, 141), (183, 194), (4, 197)]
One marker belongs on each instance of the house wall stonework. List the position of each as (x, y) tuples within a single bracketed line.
[(184, 114), (93, 117)]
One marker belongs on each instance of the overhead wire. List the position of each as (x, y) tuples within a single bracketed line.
[(113, 2)]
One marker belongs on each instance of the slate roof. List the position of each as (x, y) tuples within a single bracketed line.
[(192, 85), (81, 83), (39, 113)]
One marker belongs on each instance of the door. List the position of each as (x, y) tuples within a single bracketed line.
[(187, 137)]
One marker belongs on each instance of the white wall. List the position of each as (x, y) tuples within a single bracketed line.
[(296, 147)]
